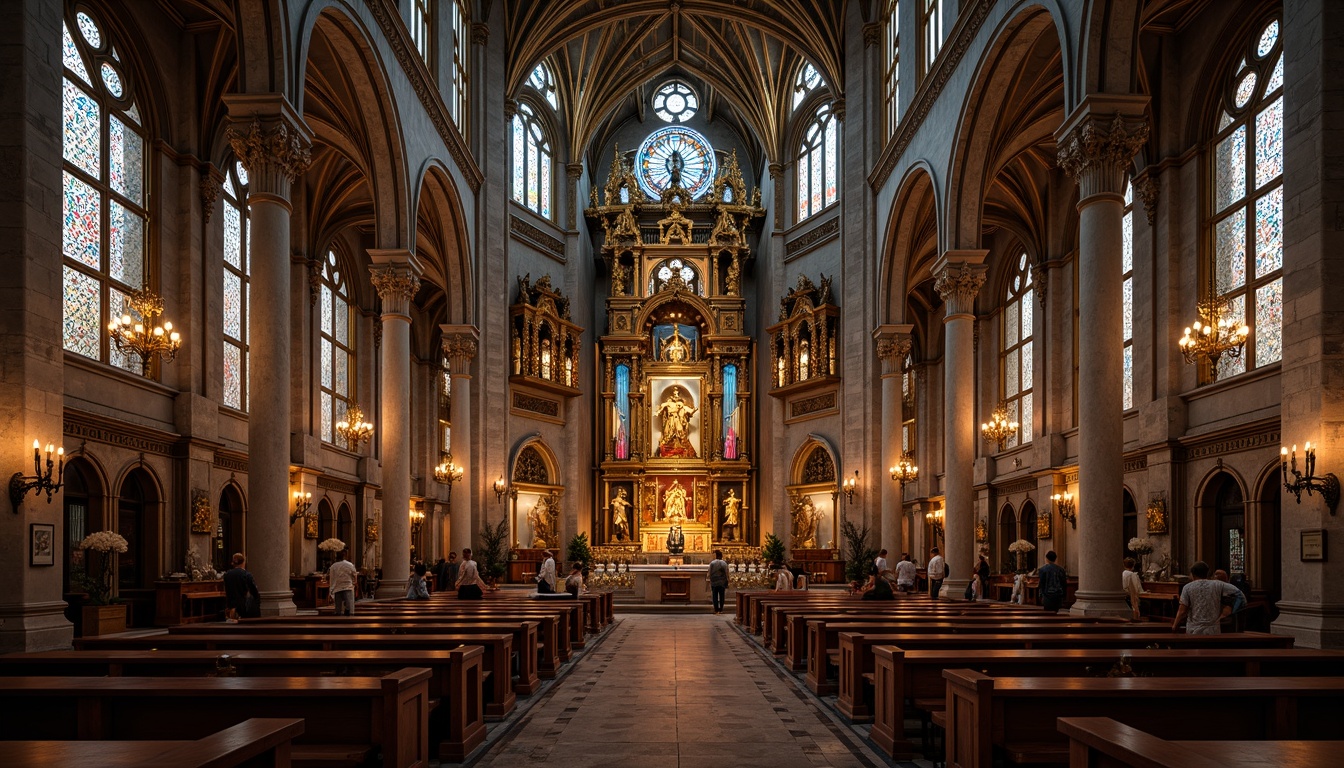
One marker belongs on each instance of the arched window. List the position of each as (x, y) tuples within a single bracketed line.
[(237, 272), (228, 527), (337, 354), (1008, 535), (543, 82), (931, 21), (103, 190), (1027, 528), (892, 76), (1016, 358), (131, 520), (908, 394), (817, 164), (459, 95), (532, 161), (445, 409), (1247, 160), (808, 79), (1127, 296)]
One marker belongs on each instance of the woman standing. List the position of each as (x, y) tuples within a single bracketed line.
[(1133, 585)]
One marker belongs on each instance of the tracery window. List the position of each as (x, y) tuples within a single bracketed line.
[(675, 102), (808, 79), (103, 190), (931, 21), (662, 274), (1016, 358), (237, 277), (1127, 295), (892, 76), (908, 393), (543, 82), (1247, 159), (818, 163), (459, 92), (337, 353), (533, 161), (680, 148), (423, 13)]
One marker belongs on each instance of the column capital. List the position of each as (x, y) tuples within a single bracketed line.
[(271, 140), (480, 34), (574, 170), (872, 34), (395, 274), (958, 277), (1097, 143), (459, 346), (893, 344)]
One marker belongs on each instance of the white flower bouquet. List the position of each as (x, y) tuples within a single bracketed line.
[(1140, 545), (332, 545), (1021, 547), (99, 585), (104, 541)]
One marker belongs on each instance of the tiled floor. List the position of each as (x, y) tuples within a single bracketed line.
[(685, 690)]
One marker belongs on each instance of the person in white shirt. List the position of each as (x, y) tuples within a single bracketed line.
[(1205, 602), (937, 572), (906, 574), (783, 579), (883, 570), (470, 586), (546, 576), (341, 585), (1132, 583)]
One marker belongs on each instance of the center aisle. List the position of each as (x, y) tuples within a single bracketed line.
[(686, 690)]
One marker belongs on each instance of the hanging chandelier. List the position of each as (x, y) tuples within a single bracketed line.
[(999, 428), (1214, 334), (353, 428), (905, 471), (144, 337)]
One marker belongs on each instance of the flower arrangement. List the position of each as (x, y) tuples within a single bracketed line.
[(1021, 547), (99, 586), (332, 545), (1140, 545), (198, 570)]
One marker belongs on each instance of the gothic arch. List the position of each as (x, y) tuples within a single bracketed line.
[(645, 316), (1108, 51), (529, 454), (443, 245), (815, 461), (911, 225)]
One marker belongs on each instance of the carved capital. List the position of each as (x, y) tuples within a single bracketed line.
[(872, 34), (395, 274), (838, 109), (1098, 149), (510, 109), (1145, 189), (212, 183), (574, 170), (776, 171), (480, 34), (270, 140), (958, 282), (893, 344), (459, 348)]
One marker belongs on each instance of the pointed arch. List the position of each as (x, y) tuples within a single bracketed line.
[(799, 473), (911, 239), (536, 445), (442, 243)]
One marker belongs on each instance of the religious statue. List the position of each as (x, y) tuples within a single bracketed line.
[(541, 518), (674, 503), (805, 519), (620, 521), (676, 415), (618, 275), (731, 505), (676, 540), (733, 281), (675, 349)]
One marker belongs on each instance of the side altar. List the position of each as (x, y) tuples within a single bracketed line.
[(676, 400)]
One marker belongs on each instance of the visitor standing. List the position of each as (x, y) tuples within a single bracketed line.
[(937, 572), (1205, 603), (883, 570), (469, 583), (1133, 586), (450, 570), (341, 584), (1053, 583), (718, 580), (982, 570), (242, 600)]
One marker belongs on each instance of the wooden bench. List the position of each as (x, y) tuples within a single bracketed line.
[(572, 615), (456, 685), (346, 719), (1101, 742), (1016, 715), (558, 628), (501, 696), (258, 742)]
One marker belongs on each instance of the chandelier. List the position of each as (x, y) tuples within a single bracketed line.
[(999, 428), (353, 428), (1214, 334), (143, 337), (905, 471), (448, 473)]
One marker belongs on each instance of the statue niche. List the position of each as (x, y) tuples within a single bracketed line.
[(675, 414)]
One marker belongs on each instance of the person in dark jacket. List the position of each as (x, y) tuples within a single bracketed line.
[(242, 600)]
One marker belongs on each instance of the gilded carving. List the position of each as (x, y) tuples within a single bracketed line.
[(394, 285), (1157, 514), (805, 516), (1145, 188), (212, 183), (530, 468), (202, 517), (819, 467)]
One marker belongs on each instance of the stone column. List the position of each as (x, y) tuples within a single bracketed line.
[(459, 347), (959, 277), (273, 143), (395, 274), (1096, 147), (893, 344)]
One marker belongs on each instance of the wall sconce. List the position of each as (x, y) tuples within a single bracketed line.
[(935, 519), (448, 473), (1328, 485), (302, 501), (1064, 505), (850, 485), (417, 519), (501, 488), (905, 471), (19, 486)]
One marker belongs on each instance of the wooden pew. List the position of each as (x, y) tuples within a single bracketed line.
[(499, 652), (259, 742), (456, 683), (558, 628), (346, 719), (573, 615), (1017, 714), (902, 675), (1101, 742)]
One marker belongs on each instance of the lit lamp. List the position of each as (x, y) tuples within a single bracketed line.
[(302, 501), (353, 428), (905, 471), (1064, 505), (448, 473), (935, 520), (19, 486), (850, 485), (1214, 334), (501, 488), (144, 338), (417, 519), (999, 428), (1327, 485)]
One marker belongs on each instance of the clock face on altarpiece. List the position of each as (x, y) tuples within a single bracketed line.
[(664, 149)]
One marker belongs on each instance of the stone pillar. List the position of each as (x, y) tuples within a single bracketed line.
[(459, 347), (959, 277), (395, 274), (893, 344), (1096, 147), (272, 142)]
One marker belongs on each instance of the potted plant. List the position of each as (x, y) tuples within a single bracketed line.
[(578, 551), (861, 555), (101, 615), (494, 553), (773, 551)]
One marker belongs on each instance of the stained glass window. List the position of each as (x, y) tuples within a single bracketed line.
[(337, 339), (1246, 225), (908, 402), (808, 80), (1017, 363), (818, 166), (459, 96), (663, 272), (680, 149), (1127, 297), (103, 190), (237, 274), (931, 20), (893, 68), (532, 164), (543, 82), (675, 102)]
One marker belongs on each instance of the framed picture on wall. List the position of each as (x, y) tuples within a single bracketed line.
[(1313, 545), (41, 544)]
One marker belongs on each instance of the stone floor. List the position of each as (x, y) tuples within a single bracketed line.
[(679, 690)]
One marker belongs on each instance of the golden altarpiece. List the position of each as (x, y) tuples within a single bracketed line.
[(676, 393)]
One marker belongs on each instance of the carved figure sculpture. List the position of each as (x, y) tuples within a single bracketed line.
[(676, 415), (674, 503), (676, 540), (805, 519), (731, 506), (675, 349), (541, 518), (620, 521)]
